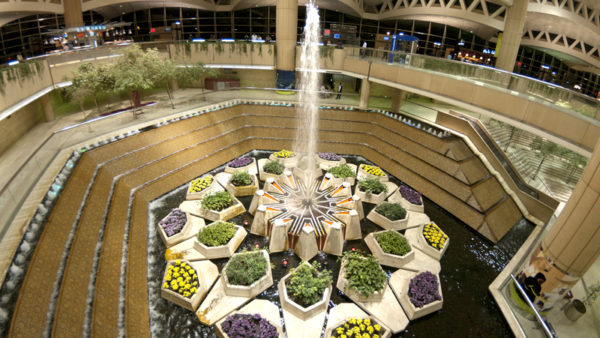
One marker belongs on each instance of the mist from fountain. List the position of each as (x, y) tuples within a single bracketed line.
[(308, 108)]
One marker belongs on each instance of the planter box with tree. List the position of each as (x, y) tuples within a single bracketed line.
[(371, 190), (242, 183), (390, 216), (361, 277), (305, 291), (219, 239), (221, 206), (268, 168), (343, 173)]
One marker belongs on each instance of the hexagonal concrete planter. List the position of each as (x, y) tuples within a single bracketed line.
[(428, 249), (262, 174), (264, 308), (385, 222), (370, 198), (342, 285), (256, 288), (396, 197), (250, 168), (288, 162), (401, 290), (221, 251), (191, 227), (213, 187), (362, 174), (237, 208), (298, 310), (247, 190), (206, 274), (384, 258), (325, 164), (385, 332)]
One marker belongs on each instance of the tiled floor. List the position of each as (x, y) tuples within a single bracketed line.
[(11, 161)]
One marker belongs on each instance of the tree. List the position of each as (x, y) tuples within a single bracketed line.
[(136, 71), (91, 80), (544, 148), (575, 161), (165, 74), (194, 72)]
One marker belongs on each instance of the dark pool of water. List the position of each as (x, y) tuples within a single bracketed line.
[(469, 265)]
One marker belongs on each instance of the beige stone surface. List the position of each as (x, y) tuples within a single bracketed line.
[(184, 250), (334, 244), (306, 247), (218, 304), (278, 241), (266, 309)]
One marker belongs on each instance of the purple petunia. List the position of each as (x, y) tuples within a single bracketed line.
[(330, 156), (410, 195), (248, 326), (423, 289), (241, 162), (174, 222)]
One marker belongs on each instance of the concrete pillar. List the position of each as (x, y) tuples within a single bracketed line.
[(73, 13), (397, 100), (571, 246), (511, 37), (365, 92), (286, 34), (47, 107)]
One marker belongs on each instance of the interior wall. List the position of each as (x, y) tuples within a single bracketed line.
[(18, 124)]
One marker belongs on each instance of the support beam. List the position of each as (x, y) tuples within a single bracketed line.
[(365, 92), (47, 107), (511, 37)]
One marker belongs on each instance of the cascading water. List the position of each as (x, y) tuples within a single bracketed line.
[(308, 109)]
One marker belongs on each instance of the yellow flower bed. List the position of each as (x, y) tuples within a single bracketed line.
[(181, 278), (357, 328), (373, 170), (200, 184), (284, 154), (434, 236)]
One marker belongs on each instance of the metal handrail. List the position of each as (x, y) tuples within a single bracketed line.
[(538, 317)]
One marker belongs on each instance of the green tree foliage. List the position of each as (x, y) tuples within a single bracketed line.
[(137, 70), (544, 149), (91, 80)]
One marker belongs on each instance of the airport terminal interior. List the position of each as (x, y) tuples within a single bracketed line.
[(300, 168)]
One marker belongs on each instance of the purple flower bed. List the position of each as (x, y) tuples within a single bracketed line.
[(174, 222), (330, 156), (241, 162), (410, 195), (245, 326), (423, 289)]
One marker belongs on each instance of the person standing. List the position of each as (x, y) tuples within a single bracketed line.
[(339, 95)]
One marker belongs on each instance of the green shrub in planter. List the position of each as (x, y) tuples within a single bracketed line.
[(218, 201), (342, 171), (241, 179), (372, 186), (306, 284), (393, 243), (363, 273), (391, 211), (273, 167), (246, 269), (217, 234)]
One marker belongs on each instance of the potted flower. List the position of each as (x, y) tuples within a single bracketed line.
[(390, 247), (361, 277), (241, 183), (389, 216), (352, 327), (371, 190), (305, 291), (421, 294), (199, 187), (269, 168), (287, 157), (371, 171), (247, 274), (243, 163), (409, 199), (220, 206), (327, 160), (343, 173), (433, 240), (219, 239), (176, 227), (244, 325), (183, 285)]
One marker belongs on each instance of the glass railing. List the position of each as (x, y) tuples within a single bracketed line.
[(540, 91)]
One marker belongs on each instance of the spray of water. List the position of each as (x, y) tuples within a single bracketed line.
[(308, 109)]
